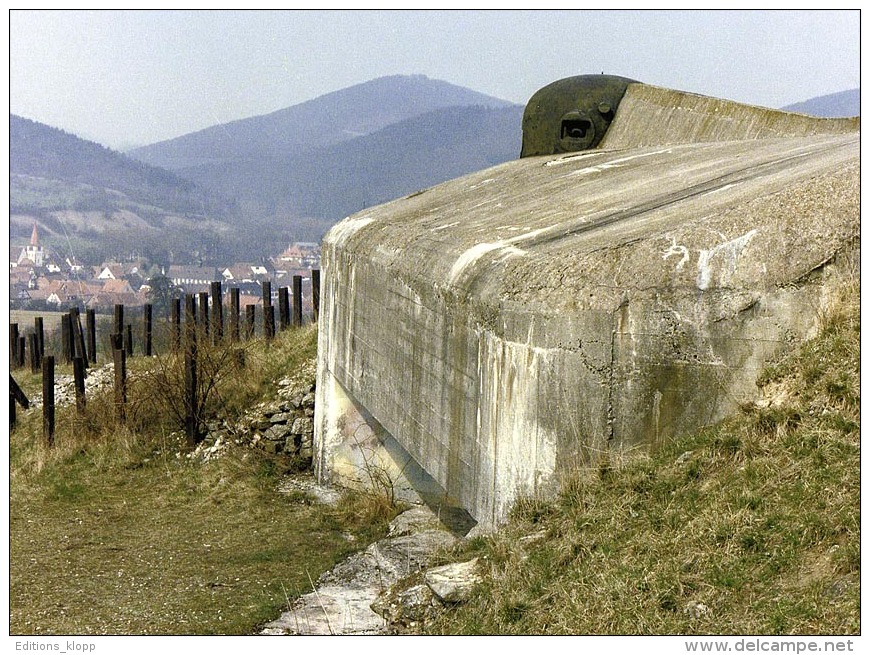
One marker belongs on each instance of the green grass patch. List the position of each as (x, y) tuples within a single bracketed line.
[(172, 547)]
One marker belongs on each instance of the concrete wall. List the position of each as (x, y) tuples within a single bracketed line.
[(650, 115), (521, 321)]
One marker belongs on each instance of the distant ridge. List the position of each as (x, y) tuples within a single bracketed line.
[(99, 178), (321, 122), (92, 203), (844, 104), (240, 188)]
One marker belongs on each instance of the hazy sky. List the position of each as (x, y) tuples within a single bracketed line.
[(125, 78)]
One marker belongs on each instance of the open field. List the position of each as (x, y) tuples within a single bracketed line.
[(24, 318), (159, 545)]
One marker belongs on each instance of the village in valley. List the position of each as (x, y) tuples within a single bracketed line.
[(43, 280)]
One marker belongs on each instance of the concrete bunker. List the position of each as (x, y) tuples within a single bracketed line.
[(508, 326)]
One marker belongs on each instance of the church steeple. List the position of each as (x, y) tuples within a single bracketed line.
[(34, 251)]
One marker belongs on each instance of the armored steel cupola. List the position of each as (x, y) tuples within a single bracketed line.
[(571, 114)]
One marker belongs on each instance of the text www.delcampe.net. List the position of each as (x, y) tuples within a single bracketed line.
[(755, 645)]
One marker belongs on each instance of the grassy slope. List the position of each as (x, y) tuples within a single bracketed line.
[(749, 527), (112, 532)]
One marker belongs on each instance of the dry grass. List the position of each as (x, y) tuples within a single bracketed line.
[(116, 531), (165, 548), (751, 527)]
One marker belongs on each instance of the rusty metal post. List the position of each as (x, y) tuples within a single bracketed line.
[(78, 337), (16, 397), (268, 314), (118, 324), (39, 327), (79, 380), (297, 301), (234, 314), (269, 322), (203, 312), (91, 327), (13, 344), (283, 308), (119, 359), (48, 400), (190, 317), (66, 337), (267, 293), (191, 424), (33, 347), (146, 328), (217, 312)]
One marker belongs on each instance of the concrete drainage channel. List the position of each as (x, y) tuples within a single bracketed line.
[(389, 576)]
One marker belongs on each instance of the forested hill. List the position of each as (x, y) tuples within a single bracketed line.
[(303, 168), (286, 176), (53, 170), (328, 184)]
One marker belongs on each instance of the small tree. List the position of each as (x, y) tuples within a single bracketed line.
[(161, 292)]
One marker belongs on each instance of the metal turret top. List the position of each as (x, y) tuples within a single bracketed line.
[(571, 114)]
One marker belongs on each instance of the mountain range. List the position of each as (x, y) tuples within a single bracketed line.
[(323, 185), (239, 189), (316, 162), (327, 120)]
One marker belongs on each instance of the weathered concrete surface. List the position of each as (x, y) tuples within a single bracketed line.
[(650, 115), (521, 321)]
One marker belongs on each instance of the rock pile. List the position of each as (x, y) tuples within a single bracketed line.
[(419, 598), (96, 379), (283, 426)]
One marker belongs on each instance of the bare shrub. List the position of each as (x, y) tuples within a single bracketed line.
[(165, 389)]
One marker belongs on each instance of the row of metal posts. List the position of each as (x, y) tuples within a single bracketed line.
[(79, 346), (213, 325), (197, 321), (76, 340), (73, 344)]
